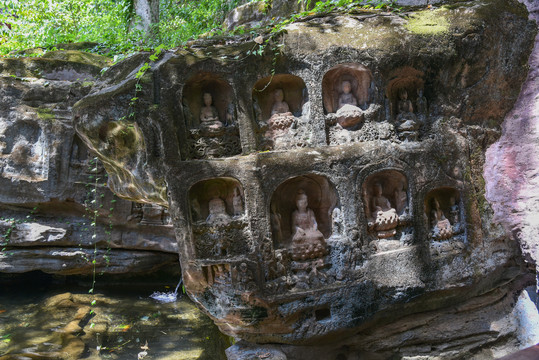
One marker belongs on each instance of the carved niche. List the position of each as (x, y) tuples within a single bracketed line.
[(219, 224), (210, 117), (408, 106), (445, 216), (301, 222), (347, 91), (387, 210), (279, 102)]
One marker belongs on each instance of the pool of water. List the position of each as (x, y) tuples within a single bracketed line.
[(52, 321)]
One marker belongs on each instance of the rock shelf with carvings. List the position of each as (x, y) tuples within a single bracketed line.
[(340, 194)]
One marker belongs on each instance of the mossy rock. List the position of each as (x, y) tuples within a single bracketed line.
[(79, 57)]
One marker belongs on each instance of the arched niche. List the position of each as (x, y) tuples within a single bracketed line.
[(450, 204), (227, 189), (394, 188), (322, 199), (294, 91), (411, 80), (360, 79), (221, 92)]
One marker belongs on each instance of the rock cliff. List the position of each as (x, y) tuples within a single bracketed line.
[(327, 196)]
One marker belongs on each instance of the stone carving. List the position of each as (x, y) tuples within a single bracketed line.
[(384, 217), (213, 133), (401, 199), (152, 215), (218, 214), (407, 123), (209, 118), (217, 209), (280, 121), (243, 277), (279, 104), (217, 274), (346, 97), (337, 221), (307, 241), (237, 203), (441, 227)]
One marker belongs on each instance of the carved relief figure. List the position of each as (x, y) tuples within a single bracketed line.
[(348, 113), (307, 241), (281, 119), (441, 227), (401, 199), (454, 211), (209, 118), (279, 106), (384, 215), (407, 121), (217, 212), (237, 203), (346, 97)]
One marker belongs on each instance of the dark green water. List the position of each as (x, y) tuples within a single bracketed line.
[(43, 320)]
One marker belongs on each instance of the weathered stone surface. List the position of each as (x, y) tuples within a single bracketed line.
[(47, 175), (78, 261), (512, 167), (403, 257)]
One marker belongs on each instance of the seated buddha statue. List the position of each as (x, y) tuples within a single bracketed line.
[(217, 212), (385, 217), (348, 113), (346, 97), (441, 227), (407, 121), (209, 118), (307, 241)]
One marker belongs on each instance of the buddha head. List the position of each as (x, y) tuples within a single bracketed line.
[(346, 87), (207, 98), (301, 200), (403, 94)]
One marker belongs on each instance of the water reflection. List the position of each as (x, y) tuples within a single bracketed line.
[(60, 323)]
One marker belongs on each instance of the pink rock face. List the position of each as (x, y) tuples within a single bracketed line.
[(512, 163)]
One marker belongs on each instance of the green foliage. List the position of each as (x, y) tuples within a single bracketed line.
[(46, 23)]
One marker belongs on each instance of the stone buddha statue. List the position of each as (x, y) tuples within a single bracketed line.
[(209, 118), (385, 217), (441, 227), (281, 118), (307, 241), (346, 97), (217, 212), (407, 120), (348, 113), (279, 105)]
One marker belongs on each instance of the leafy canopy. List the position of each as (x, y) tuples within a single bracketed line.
[(26, 24)]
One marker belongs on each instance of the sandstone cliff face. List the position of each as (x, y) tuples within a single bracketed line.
[(329, 193), (48, 175)]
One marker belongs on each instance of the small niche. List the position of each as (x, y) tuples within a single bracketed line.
[(386, 199), (322, 314), (217, 198), (408, 81), (321, 197), (294, 94), (221, 95), (443, 209), (359, 79)]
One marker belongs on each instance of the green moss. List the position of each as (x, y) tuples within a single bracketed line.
[(428, 22), (87, 83), (45, 114)]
